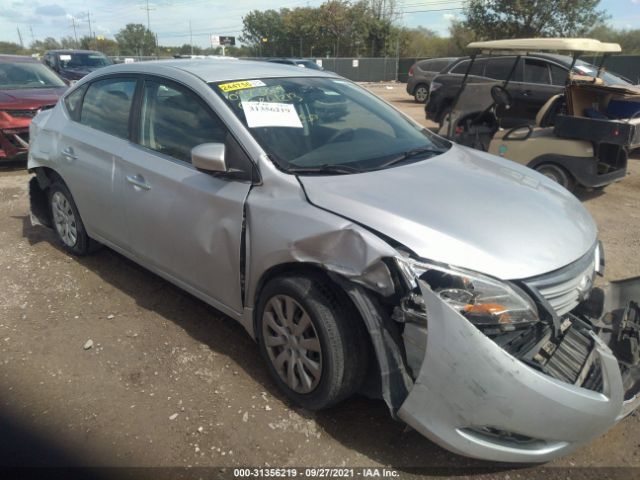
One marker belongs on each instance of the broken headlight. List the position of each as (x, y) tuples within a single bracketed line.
[(484, 301)]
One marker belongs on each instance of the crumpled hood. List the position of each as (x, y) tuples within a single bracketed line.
[(468, 209), (30, 97)]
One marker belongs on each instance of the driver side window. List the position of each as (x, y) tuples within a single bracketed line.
[(173, 120)]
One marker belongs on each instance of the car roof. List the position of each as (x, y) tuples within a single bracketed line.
[(215, 70), (546, 44), (17, 58), (556, 57), (70, 50)]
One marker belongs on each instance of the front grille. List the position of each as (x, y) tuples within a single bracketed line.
[(565, 288)]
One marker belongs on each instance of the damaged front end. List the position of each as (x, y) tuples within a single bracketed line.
[(518, 371)]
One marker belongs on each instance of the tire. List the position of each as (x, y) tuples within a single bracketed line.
[(66, 221), (326, 362), (421, 93), (557, 174)]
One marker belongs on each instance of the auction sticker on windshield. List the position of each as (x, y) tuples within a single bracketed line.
[(268, 114), (230, 87)]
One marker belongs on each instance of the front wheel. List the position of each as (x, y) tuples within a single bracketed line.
[(557, 174), (312, 340)]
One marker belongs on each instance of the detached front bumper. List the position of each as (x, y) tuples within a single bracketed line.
[(475, 399)]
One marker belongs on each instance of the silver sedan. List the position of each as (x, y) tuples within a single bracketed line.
[(362, 252)]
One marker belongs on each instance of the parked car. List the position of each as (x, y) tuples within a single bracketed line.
[(421, 73), (537, 77), (581, 137), (75, 64), (456, 285), (298, 62), (26, 87)]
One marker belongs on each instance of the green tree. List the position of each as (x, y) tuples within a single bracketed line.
[(496, 19), (136, 39), (48, 43), (11, 48)]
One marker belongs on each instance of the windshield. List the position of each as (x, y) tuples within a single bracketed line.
[(21, 75), (584, 68), (326, 125), (75, 60)]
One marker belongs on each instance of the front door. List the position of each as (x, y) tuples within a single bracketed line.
[(183, 222)]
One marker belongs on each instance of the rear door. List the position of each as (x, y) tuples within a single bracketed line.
[(90, 152), (185, 223), (499, 68), (537, 87)]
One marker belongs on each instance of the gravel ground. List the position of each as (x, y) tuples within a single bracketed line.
[(169, 381)]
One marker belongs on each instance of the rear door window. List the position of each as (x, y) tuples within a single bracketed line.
[(499, 68), (107, 105), (476, 69), (558, 74), (536, 71)]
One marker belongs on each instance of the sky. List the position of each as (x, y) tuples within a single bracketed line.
[(170, 19)]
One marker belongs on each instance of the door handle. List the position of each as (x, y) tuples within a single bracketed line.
[(69, 154), (527, 93), (138, 181)]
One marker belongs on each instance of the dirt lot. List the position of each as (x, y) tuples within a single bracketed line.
[(172, 382)]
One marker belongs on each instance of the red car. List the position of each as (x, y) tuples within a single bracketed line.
[(26, 87)]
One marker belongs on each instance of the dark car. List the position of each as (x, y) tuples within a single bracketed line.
[(422, 72), (298, 62), (537, 77), (26, 87), (75, 64)]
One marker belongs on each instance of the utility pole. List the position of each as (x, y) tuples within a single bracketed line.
[(190, 37), (33, 39), (20, 37), (148, 9), (75, 34)]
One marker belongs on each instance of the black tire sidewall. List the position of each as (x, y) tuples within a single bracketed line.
[(307, 293), (561, 177), (82, 245)]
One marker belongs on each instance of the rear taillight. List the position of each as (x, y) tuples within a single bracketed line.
[(411, 72)]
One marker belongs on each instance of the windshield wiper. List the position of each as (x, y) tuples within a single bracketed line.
[(330, 169), (408, 155)]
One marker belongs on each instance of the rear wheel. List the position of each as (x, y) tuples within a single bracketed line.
[(557, 174), (312, 340), (67, 222), (421, 93)]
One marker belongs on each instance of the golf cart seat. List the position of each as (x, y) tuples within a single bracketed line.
[(547, 114)]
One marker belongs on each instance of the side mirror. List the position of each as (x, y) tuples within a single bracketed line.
[(209, 157)]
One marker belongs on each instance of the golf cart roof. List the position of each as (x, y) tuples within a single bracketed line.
[(542, 44)]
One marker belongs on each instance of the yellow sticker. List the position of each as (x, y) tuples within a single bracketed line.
[(230, 87)]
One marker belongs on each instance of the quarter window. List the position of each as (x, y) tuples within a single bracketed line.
[(73, 102), (107, 104), (173, 120)]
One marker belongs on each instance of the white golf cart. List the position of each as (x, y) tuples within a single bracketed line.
[(582, 137)]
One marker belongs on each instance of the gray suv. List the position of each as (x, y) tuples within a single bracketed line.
[(421, 73)]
